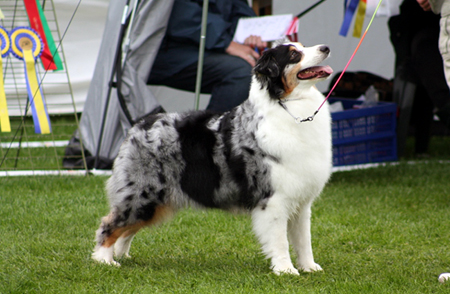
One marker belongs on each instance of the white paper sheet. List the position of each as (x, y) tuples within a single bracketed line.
[(270, 28)]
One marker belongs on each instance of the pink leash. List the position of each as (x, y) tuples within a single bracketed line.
[(310, 118)]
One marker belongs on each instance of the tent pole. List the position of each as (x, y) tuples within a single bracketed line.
[(201, 53), (110, 84), (127, 37)]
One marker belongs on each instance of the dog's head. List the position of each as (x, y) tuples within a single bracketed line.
[(282, 69)]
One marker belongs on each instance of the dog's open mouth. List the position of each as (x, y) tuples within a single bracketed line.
[(315, 72)]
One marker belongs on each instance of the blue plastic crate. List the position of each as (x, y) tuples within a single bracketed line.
[(364, 135)]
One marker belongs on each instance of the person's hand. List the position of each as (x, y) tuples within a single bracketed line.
[(425, 4), (255, 42), (243, 51)]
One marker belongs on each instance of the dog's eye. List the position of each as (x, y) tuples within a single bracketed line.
[(295, 54)]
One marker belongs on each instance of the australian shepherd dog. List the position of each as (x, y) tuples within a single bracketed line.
[(255, 158)]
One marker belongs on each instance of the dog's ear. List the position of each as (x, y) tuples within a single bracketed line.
[(267, 71), (280, 42), (267, 65)]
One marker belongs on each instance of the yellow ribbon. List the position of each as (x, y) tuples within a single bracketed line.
[(359, 19), (4, 115), (27, 47)]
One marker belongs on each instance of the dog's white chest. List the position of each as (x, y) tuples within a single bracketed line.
[(303, 152)]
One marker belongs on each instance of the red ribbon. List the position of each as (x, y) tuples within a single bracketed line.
[(36, 24), (292, 30)]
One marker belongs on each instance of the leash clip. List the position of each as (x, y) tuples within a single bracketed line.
[(309, 118), (298, 120)]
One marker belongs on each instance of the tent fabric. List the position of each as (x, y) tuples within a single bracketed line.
[(146, 32)]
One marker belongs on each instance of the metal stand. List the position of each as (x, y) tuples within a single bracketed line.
[(201, 53)]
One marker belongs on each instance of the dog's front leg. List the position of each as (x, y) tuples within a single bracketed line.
[(270, 226), (300, 236)]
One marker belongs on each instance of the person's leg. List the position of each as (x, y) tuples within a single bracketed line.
[(429, 67), (444, 45), (227, 78), (427, 63), (444, 48)]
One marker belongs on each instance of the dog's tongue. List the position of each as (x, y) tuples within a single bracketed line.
[(315, 72)]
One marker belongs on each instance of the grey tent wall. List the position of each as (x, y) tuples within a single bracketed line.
[(147, 31)]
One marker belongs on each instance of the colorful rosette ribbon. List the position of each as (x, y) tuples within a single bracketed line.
[(5, 46), (27, 46), (50, 58)]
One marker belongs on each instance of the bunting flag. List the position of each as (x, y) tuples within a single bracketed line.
[(359, 20), (5, 46), (27, 46), (39, 23)]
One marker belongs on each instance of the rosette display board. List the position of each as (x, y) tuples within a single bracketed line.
[(5, 46), (27, 46)]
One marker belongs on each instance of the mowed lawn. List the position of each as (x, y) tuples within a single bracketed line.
[(380, 230)]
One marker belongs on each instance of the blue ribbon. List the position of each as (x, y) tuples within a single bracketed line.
[(349, 12), (32, 48)]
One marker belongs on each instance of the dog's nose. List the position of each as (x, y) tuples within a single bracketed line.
[(324, 49)]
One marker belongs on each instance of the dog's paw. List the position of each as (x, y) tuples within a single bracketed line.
[(309, 268), (122, 254), (104, 255), (112, 262), (285, 270)]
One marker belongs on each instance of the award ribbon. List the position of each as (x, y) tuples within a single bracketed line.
[(27, 46), (349, 12), (36, 23), (292, 31), (50, 41), (5, 46), (359, 20)]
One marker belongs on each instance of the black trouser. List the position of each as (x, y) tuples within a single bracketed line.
[(227, 78)]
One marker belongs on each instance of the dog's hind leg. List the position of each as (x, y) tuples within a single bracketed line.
[(123, 244), (300, 236), (115, 228), (106, 235), (270, 226)]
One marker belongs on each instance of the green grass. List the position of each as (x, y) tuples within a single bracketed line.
[(45, 158), (63, 127), (382, 230)]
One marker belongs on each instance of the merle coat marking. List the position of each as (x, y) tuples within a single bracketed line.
[(254, 158)]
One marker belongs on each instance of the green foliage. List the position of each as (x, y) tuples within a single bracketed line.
[(382, 230)]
